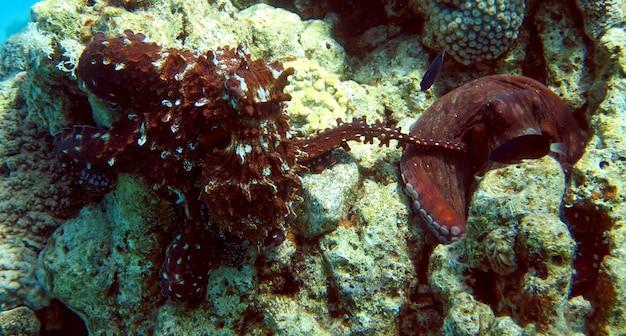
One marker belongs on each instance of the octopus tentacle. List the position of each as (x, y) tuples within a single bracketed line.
[(430, 204), (188, 262), (317, 148)]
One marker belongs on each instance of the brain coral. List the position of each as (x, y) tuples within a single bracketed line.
[(471, 30)]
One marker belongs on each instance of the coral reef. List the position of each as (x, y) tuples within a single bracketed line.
[(597, 198), (471, 30), (352, 259), (35, 199), (317, 98)]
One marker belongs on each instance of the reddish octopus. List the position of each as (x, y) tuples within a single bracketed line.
[(209, 131), (483, 114)]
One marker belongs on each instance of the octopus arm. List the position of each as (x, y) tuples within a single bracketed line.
[(99, 146), (317, 148)]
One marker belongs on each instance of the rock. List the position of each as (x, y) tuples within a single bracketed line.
[(369, 264), (601, 16), (105, 256), (566, 53), (517, 256), (19, 321), (328, 197), (34, 199), (598, 187)]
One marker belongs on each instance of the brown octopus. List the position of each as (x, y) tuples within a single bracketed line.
[(502, 113)]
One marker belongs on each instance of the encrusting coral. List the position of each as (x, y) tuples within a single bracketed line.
[(35, 199), (471, 30)]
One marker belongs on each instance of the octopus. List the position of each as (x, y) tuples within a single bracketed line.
[(500, 118), (209, 132)]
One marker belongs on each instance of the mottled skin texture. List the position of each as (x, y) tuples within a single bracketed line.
[(193, 130), (483, 114), (206, 130)]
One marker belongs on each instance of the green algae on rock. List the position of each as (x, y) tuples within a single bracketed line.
[(103, 256), (567, 53)]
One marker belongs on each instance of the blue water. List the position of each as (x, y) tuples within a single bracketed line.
[(15, 15)]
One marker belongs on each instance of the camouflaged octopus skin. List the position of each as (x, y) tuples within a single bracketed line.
[(206, 130)]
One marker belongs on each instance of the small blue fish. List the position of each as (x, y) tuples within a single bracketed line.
[(433, 72)]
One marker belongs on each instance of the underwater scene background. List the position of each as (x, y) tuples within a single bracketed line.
[(15, 15), (229, 167)]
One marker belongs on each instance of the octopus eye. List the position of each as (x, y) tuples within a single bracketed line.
[(215, 142)]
